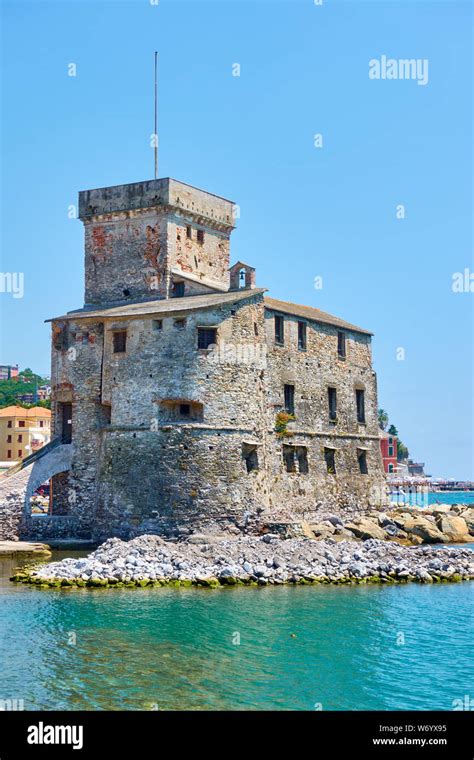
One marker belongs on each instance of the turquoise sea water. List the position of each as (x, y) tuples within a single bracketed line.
[(418, 498), (451, 497), (301, 648)]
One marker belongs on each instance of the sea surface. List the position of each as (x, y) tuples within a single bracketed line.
[(281, 648), (417, 498)]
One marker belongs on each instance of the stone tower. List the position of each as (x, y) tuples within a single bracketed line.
[(152, 240)]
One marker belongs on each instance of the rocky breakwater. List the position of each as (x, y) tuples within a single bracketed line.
[(441, 524), (149, 560)]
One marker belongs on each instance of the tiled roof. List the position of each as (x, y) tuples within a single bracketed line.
[(18, 411), (163, 306), (309, 312)]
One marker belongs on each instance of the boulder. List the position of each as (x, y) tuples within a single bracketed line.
[(403, 520), (322, 530), (468, 516), (426, 530), (364, 528), (454, 528)]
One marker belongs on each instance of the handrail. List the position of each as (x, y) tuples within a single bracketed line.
[(33, 457)]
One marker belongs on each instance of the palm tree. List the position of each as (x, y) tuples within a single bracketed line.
[(383, 419)]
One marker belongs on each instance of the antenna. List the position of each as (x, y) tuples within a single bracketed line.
[(156, 116)]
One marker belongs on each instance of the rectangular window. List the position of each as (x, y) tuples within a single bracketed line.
[(20, 452), (207, 336), (9, 454), (332, 404), (295, 459), (360, 403), (180, 323), (289, 393), (157, 324), (330, 458), (41, 423), (200, 236), (178, 290), (279, 330), (289, 458), (250, 457), (362, 459), (9, 423), (189, 232), (85, 339), (341, 344), (9, 439), (302, 336), (21, 423), (20, 439), (120, 342), (185, 410), (302, 459), (390, 451), (390, 440)]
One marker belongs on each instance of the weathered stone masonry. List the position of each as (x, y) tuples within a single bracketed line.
[(174, 374)]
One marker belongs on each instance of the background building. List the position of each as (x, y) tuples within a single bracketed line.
[(23, 431), (388, 446), (7, 371)]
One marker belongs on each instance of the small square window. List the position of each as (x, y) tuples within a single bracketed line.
[(178, 289), (157, 324), (189, 232), (185, 410), (120, 342), (180, 323), (200, 236), (22, 423), (9, 424), (207, 336)]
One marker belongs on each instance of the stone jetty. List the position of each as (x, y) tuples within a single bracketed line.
[(214, 561)]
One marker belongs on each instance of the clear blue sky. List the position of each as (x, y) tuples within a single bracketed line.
[(304, 211)]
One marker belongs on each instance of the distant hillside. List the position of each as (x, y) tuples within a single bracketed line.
[(25, 382)]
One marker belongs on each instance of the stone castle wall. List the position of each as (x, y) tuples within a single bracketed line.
[(138, 466)]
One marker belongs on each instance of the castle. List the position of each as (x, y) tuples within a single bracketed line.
[(188, 399)]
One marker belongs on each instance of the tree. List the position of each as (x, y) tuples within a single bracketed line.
[(393, 431), (402, 452), (383, 419)]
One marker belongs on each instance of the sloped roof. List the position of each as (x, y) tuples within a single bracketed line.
[(18, 411), (309, 312), (163, 306)]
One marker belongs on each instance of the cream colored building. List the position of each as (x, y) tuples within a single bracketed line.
[(23, 431)]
